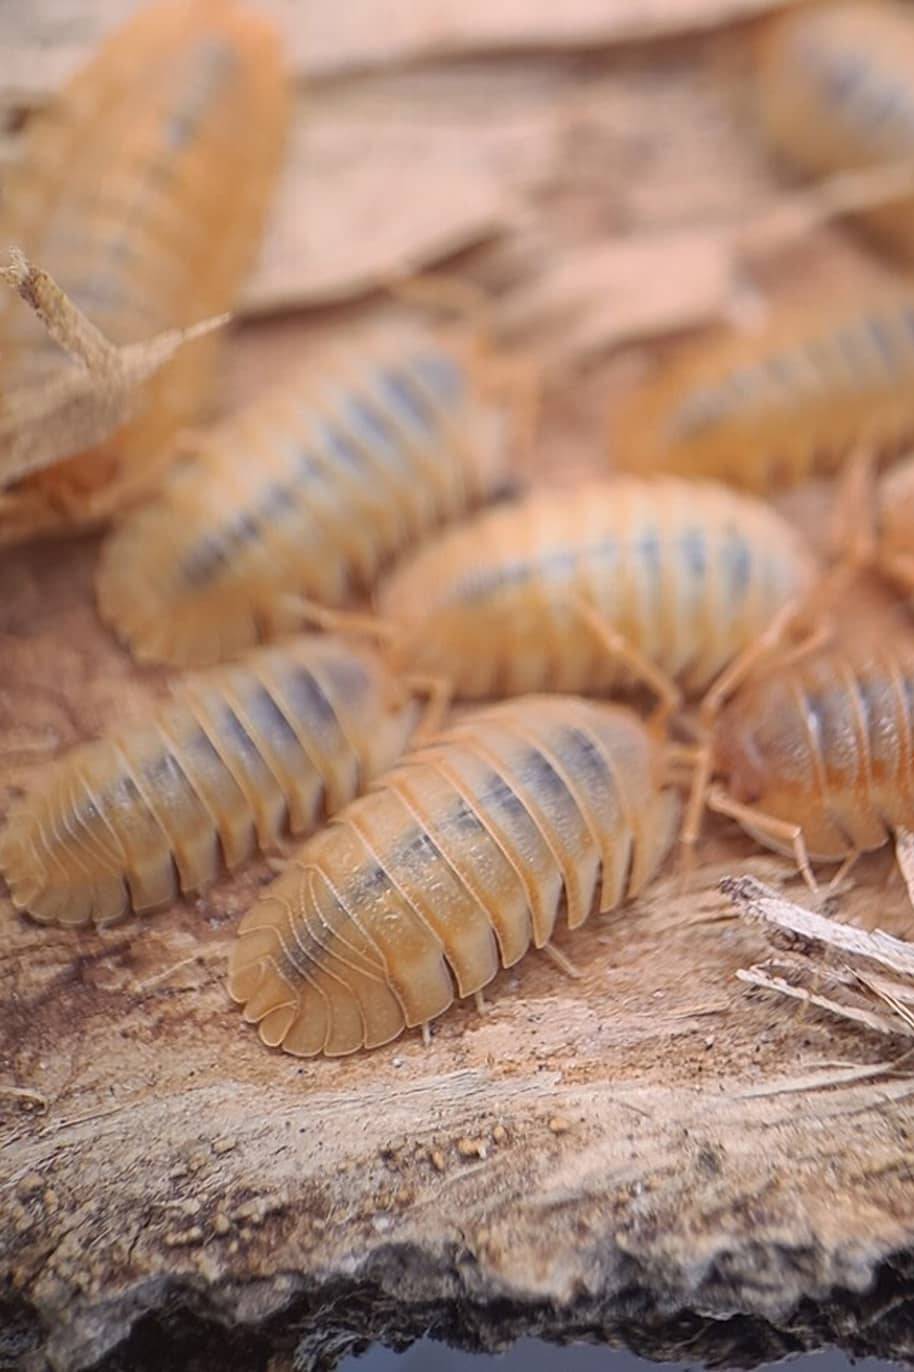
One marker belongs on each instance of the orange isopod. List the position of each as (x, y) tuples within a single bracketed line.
[(455, 863), (835, 92), (307, 492), (584, 589), (884, 517), (816, 757), (143, 190), (778, 406), (242, 755)]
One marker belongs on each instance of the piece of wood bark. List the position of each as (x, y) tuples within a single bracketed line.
[(650, 1137)]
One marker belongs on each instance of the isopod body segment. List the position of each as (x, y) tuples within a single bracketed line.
[(835, 93), (308, 492), (143, 190), (241, 756), (824, 747), (452, 866), (686, 574), (774, 408), (889, 526)]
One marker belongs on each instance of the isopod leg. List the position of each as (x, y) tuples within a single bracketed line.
[(438, 692), (904, 856), (125, 489), (669, 698), (36, 509), (852, 531), (849, 862), (767, 643), (779, 830), (703, 764), (338, 621), (562, 962)]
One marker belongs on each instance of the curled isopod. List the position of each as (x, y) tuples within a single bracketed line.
[(591, 588), (307, 493), (143, 190), (774, 408), (240, 756), (459, 860)]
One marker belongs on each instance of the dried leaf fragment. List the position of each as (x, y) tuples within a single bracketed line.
[(89, 398), (632, 288)]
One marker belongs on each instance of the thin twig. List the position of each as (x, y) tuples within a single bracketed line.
[(757, 901), (756, 977)]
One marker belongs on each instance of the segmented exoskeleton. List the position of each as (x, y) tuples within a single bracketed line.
[(241, 756), (143, 191), (836, 93), (584, 589), (456, 863), (307, 492), (774, 408), (817, 757), (884, 517)]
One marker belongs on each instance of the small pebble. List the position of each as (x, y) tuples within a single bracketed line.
[(499, 1133), (437, 1158), (471, 1148), (559, 1125), (221, 1223), (184, 1237)]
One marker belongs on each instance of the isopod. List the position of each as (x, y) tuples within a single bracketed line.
[(584, 589), (881, 519), (143, 191), (775, 408), (816, 757), (308, 492), (835, 92), (242, 755), (453, 865)]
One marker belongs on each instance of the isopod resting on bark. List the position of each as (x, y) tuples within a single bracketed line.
[(307, 493), (774, 408), (835, 92), (143, 191), (241, 756), (459, 860), (591, 588), (816, 757)]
